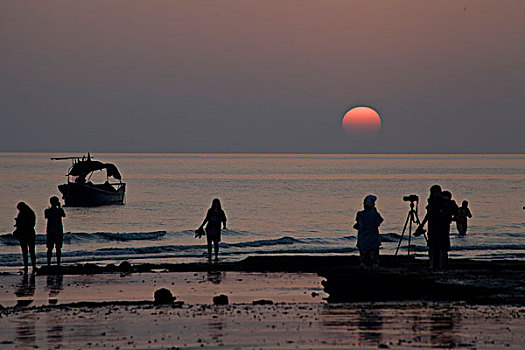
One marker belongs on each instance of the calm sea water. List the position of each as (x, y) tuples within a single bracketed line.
[(275, 204)]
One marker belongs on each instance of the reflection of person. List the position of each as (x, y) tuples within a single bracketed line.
[(26, 287), (462, 218), (54, 229), (25, 233), (54, 284), (368, 239), (440, 211), (214, 217)]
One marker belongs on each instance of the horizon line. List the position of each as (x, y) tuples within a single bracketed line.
[(271, 153)]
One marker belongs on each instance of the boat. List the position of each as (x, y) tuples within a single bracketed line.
[(81, 192)]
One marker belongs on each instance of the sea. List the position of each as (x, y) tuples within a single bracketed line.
[(275, 204)]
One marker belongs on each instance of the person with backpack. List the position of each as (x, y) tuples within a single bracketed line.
[(441, 210), (25, 233)]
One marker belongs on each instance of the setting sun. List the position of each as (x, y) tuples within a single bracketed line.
[(361, 122)]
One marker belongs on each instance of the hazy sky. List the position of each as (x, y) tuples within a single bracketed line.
[(261, 76)]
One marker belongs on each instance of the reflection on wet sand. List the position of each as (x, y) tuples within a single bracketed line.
[(442, 327), (54, 286), (55, 328), (25, 290), (375, 324), (370, 324), (215, 276), (216, 326), (363, 323), (25, 330), (25, 324)]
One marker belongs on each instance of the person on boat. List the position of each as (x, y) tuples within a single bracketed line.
[(462, 218), (54, 229), (368, 239), (25, 233), (214, 217)]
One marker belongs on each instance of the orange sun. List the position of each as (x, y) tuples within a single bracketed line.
[(361, 122)]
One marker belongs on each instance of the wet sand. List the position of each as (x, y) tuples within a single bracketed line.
[(91, 307), (283, 326), (190, 287)]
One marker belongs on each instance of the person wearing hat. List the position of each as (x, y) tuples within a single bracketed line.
[(367, 226), (54, 229)]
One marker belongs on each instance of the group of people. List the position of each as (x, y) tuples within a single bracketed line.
[(26, 235), (441, 211)]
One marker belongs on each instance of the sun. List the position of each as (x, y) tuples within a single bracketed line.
[(361, 122)]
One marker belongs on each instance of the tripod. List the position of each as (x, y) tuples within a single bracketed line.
[(411, 218)]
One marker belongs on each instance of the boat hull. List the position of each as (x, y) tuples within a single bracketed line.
[(90, 195)]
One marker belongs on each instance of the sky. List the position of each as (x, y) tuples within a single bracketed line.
[(261, 76)]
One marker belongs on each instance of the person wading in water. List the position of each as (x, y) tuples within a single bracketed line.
[(214, 217)]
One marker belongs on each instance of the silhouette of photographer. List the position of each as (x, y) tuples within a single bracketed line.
[(367, 226), (441, 211)]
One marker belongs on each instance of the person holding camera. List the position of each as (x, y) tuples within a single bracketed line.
[(54, 229), (367, 226)]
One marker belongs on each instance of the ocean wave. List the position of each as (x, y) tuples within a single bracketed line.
[(74, 237), (495, 247), (264, 242), (390, 237), (110, 236)]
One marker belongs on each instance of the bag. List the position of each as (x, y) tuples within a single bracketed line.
[(16, 233), (199, 232)]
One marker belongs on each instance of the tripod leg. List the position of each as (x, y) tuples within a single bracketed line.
[(402, 233), (417, 221), (411, 215)]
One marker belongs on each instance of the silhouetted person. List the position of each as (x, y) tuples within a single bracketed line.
[(214, 217), (450, 214), (368, 239), (54, 229), (25, 233), (440, 211), (462, 218)]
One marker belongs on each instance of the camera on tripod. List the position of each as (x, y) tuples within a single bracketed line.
[(412, 219), (411, 198)]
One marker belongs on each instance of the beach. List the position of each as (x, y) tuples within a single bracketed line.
[(283, 308), (290, 247), (249, 174), (284, 326)]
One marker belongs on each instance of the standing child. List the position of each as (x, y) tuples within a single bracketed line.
[(368, 240), (54, 230), (462, 218)]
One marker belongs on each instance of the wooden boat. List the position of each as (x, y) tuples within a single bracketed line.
[(81, 192)]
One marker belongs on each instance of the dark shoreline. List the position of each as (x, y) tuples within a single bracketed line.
[(398, 278), (286, 263)]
